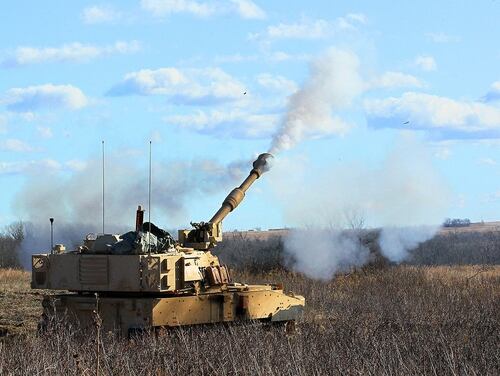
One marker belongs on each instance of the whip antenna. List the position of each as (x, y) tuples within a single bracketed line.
[(103, 187), (149, 200), (51, 235)]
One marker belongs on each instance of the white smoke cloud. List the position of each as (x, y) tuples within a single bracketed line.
[(77, 197), (75, 200), (397, 242), (320, 253), (333, 83), (404, 195)]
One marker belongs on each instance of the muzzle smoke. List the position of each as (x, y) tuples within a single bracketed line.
[(334, 81), (75, 201), (404, 196)]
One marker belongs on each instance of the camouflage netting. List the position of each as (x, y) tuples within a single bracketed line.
[(151, 239)]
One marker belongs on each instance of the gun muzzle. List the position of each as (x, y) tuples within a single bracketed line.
[(260, 165)]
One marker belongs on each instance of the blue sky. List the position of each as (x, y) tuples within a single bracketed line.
[(175, 72)]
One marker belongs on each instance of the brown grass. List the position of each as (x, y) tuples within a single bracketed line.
[(20, 307), (400, 320)]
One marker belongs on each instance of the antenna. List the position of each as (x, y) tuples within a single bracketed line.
[(149, 200), (51, 235), (103, 187)]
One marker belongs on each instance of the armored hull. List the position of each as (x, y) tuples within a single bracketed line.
[(144, 278), (136, 292), (126, 314)]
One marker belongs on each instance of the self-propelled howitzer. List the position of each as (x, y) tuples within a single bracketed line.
[(145, 278)]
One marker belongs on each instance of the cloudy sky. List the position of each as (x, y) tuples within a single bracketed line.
[(213, 83)]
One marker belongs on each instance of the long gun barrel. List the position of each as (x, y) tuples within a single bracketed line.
[(233, 199), (205, 235)]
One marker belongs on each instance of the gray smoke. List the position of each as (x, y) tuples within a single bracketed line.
[(322, 252), (37, 237), (404, 196), (333, 82), (75, 201), (397, 242)]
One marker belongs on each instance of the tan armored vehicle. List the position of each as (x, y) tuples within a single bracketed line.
[(145, 278)]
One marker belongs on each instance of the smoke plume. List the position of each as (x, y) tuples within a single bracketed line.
[(403, 195), (321, 252), (75, 201), (334, 81)]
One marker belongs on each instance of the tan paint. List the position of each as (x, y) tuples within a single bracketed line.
[(185, 285)]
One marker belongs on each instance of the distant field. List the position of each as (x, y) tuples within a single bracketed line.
[(474, 227), (396, 320)]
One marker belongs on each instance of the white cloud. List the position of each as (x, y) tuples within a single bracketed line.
[(304, 29), (99, 14), (248, 9), (43, 166), (51, 96), (44, 132), (156, 137), (394, 80), (277, 83), (487, 161), (443, 153), (494, 93), (491, 197), (3, 124), (281, 56), (184, 86), (76, 165), (425, 111), (234, 123), (310, 29), (15, 145), (442, 38), (160, 8), (358, 17), (426, 63), (72, 52), (273, 56)]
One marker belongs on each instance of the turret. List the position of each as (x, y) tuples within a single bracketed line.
[(206, 234)]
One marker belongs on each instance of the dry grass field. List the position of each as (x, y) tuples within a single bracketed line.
[(400, 320)]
